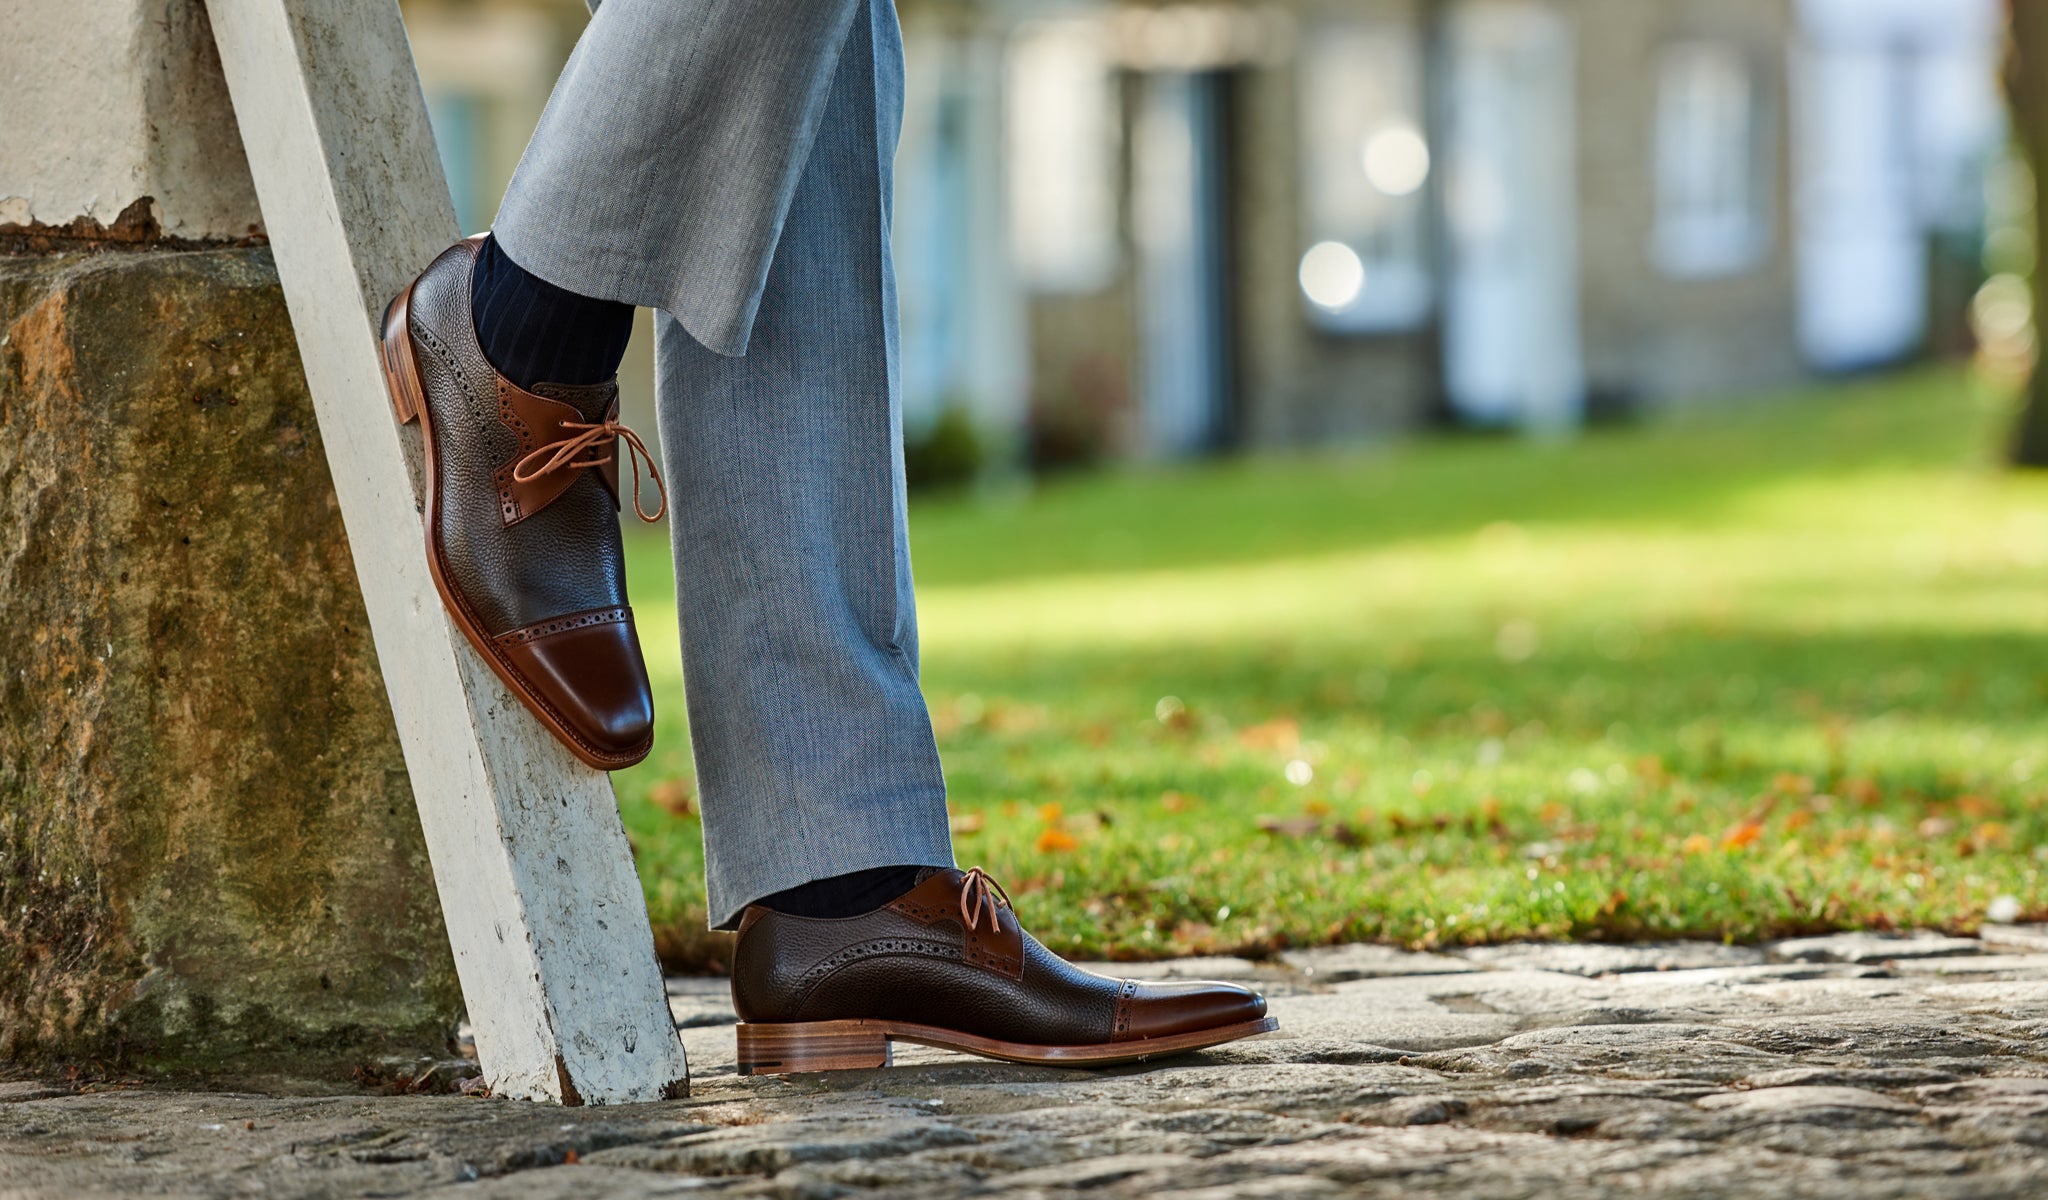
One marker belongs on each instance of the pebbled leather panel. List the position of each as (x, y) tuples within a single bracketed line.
[(565, 558), (909, 961)]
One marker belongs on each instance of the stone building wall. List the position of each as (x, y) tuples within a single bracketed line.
[(1300, 385), (1649, 337)]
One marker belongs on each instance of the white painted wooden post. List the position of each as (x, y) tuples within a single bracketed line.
[(536, 880)]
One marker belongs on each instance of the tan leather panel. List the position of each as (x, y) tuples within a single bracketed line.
[(538, 421)]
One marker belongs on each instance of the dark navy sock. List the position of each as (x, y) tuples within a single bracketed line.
[(845, 895), (534, 332)]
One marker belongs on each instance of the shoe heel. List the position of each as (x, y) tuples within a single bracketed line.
[(811, 1046), (401, 373)]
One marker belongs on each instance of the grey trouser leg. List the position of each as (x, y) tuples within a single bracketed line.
[(814, 750), (669, 150)]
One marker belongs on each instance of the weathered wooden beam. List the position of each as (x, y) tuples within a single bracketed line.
[(537, 885)]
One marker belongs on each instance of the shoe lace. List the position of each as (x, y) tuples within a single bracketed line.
[(979, 894), (563, 455)]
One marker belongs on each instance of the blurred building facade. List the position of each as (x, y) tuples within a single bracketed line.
[(1154, 230)]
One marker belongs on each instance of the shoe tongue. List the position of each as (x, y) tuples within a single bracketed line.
[(593, 400)]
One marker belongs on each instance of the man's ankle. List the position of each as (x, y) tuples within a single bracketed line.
[(847, 895), (534, 332)]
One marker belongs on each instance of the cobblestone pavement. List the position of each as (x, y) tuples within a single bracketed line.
[(1853, 1065)]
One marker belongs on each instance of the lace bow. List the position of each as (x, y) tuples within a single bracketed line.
[(562, 455), (979, 894)]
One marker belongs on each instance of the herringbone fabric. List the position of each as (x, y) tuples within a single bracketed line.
[(728, 162)]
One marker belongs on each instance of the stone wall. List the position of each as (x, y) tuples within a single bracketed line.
[(1650, 337), (1301, 386), (209, 854)]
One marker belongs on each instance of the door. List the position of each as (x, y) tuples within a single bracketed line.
[(1180, 205), (1511, 336)]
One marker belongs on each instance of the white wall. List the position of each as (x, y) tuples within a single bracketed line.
[(108, 101)]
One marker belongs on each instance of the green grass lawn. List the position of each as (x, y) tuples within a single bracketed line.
[(1768, 669)]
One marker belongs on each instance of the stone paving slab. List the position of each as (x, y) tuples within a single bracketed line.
[(1849, 1066), (1872, 947)]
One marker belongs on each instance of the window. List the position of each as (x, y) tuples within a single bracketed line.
[(1063, 135), (1365, 163), (1711, 161)]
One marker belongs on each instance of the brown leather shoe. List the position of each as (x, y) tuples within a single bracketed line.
[(522, 518), (948, 965)]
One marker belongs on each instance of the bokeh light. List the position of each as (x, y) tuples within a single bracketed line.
[(1397, 160), (1331, 274)]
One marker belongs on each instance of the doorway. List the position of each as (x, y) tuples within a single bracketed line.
[(1511, 334), (1181, 221)]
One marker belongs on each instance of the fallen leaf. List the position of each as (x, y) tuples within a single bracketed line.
[(968, 823), (1745, 833), (1698, 843), (1051, 813), (1793, 785), (1280, 734), (1055, 841)]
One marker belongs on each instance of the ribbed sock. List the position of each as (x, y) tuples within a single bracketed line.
[(847, 895), (534, 332)]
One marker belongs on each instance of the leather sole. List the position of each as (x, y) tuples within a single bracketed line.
[(849, 1045), (408, 391)]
